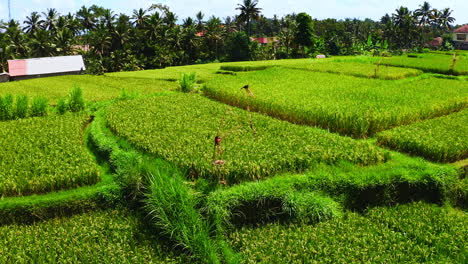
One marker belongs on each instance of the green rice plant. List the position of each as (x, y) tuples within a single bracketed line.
[(95, 88), (187, 82), (62, 106), (21, 106), (399, 180), (171, 206), (6, 107), (377, 237), (39, 106), (181, 128), (364, 70), (431, 62), (443, 229), (75, 101), (443, 139), (111, 236), (45, 154), (347, 105)]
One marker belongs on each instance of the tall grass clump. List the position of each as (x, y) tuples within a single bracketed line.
[(76, 101), (21, 107), (172, 206), (39, 106), (6, 107), (187, 82)]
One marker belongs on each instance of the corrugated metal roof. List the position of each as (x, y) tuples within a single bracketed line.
[(47, 65)]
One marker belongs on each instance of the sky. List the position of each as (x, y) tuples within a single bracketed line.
[(338, 9)]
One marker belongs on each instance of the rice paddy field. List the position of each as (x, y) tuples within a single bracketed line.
[(337, 160)]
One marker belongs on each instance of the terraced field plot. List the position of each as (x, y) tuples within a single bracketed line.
[(365, 70), (182, 129), (415, 233), (443, 139), (194, 198), (431, 62), (44, 154), (350, 106), (112, 236), (95, 88)]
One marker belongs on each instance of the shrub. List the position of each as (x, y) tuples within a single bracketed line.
[(21, 109), (6, 107), (62, 106), (76, 101), (187, 82), (39, 106)]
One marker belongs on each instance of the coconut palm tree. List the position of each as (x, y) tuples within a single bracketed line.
[(424, 13), (50, 19), (86, 18), (33, 23), (139, 18), (200, 23), (249, 11), (445, 19)]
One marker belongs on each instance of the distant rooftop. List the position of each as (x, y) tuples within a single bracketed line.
[(462, 29)]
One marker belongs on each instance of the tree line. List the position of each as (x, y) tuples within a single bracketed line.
[(153, 38)]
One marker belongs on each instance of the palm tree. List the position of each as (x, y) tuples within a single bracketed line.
[(249, 12), (139, 18), (424, 12), (446, 19), (33, 23), (86, 18), (50, 19), (214, 35), (200, 23)]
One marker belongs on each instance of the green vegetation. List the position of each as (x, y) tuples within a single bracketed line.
[(443, 139), (187, 82), (95, 88), (347, 105), (11, 109), (414, 233), (365, 70), (111, 236), (240, 68), (430, 62), (399, 180), (182, 129), (39, 155)]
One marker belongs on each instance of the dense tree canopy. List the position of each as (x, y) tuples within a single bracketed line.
[(156, 37)]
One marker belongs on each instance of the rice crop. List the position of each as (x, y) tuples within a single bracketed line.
[(364, 70), (112, 236), (95, 88), (182, 129), (350, 106), (443, 139), (431, 62), (373, 238), (45, 154)]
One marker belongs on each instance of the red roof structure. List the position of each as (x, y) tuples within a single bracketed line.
[(463, 29)]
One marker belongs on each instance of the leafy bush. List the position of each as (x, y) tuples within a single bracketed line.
[(181, 128), (39, 106), (21, 110), (443, 139), (187, 82), (75, 101), (49, 155)]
